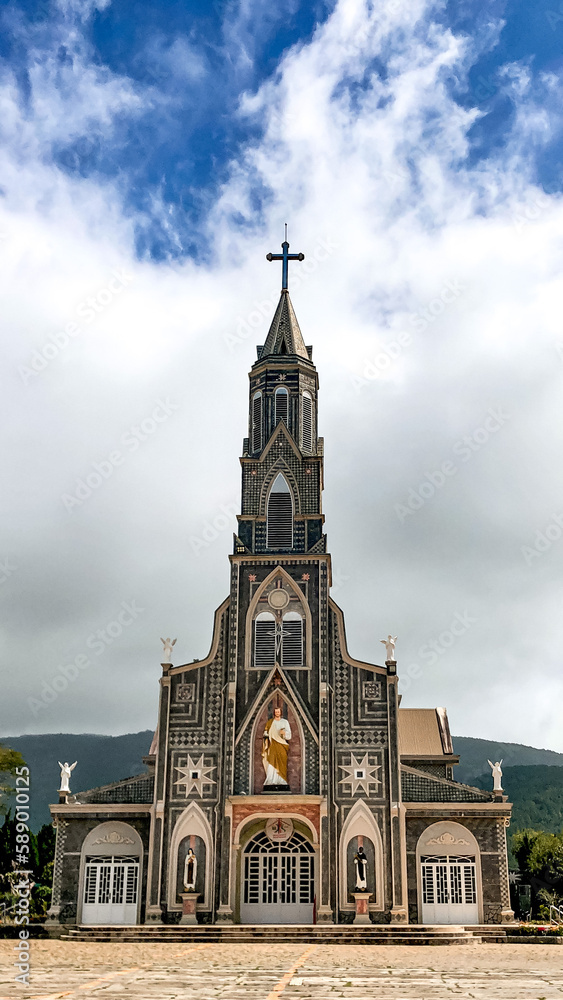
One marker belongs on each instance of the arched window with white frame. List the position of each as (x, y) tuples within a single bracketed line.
[(292, 640), (265, 640), (279, 520), (282, 401), (307, 421), (257, 421)]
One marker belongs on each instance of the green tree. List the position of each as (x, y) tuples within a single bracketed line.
[(540, 860), (10, 760)]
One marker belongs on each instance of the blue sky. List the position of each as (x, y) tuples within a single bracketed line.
[(191, 63), (149, 157)]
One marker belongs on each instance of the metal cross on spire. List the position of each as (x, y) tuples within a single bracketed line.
[(285, 257)]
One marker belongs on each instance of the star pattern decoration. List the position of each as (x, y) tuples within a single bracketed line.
[(360, 774), (282, 378), (305, 576), (252, 577), (195, 776)]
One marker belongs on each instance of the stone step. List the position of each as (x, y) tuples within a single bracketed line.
[(226, 930), (287, 934)]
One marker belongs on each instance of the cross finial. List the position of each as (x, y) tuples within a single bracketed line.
[(285, 257)]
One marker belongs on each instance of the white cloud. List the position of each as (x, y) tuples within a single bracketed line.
[(379, 167)]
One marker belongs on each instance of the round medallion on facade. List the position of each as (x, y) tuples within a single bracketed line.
[(279, 829), (278, 599)]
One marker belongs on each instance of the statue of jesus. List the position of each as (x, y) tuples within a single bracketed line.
[(275, 749)]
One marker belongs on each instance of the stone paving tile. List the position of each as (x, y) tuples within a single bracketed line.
[(157, 971)]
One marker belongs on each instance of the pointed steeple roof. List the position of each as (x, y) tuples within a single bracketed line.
[(284, 336)]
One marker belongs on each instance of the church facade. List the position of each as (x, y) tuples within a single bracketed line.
[(284, 784)]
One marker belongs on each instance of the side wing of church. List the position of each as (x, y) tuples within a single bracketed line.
[(284, 784)]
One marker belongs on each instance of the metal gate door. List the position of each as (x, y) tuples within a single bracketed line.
[(278, 881), (111, 887), (449, 890)]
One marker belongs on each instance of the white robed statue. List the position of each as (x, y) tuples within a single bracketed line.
[(275, 749), (497, 775), (66, 771)]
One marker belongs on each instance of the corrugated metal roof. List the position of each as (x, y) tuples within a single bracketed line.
[(419, 732)]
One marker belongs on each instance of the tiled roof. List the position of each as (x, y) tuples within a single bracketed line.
[(420, 787), (139, 789)]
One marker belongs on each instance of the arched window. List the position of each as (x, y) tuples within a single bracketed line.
[(307, 422), (265, 640), (282, 399), (292, 640), (280, 516), (257, 422)]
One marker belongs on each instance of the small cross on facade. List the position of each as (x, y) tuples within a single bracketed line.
[(285, 257)]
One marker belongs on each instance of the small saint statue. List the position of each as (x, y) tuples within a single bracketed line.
[(66, 771), (497, 775), (361, 866), (168, 643), (389, 644), (190, 871)]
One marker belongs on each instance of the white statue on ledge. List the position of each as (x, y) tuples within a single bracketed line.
[(168, 644), (66, 771), (497, 775), (389, 644)]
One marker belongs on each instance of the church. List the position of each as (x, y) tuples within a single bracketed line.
[(284, 783)]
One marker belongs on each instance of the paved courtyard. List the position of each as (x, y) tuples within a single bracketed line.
[(290, 972)]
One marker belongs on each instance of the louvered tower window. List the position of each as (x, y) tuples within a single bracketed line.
[(307, 422), (280, 516), (292, 640), (281, 405), (265, 640), (257, 422)]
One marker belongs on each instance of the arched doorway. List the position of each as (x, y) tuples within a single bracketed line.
[(111, 874), (449, 873), (278, 880)]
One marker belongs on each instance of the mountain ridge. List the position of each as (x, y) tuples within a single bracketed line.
[(104, 759)]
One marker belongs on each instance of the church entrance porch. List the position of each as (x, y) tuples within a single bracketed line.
[(278, 880), (111, 888), (449, 890), (449, 876)]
